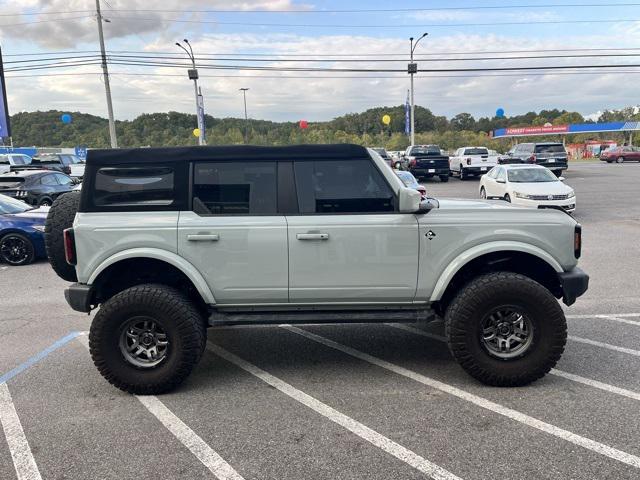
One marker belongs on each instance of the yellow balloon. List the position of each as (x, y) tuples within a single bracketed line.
[(196, 132), (386, 119)]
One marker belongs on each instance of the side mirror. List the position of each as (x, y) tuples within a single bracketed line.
[(409, 200)]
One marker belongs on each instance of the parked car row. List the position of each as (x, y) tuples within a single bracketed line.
[(621, 154)]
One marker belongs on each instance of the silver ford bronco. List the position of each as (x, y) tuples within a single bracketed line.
[(166, 242)]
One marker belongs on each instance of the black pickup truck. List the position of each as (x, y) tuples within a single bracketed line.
[(427, 161)]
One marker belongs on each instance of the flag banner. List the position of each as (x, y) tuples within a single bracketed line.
[(201, 124), (5, 127), (407, 116)]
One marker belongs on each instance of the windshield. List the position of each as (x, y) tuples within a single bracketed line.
[(11, 205), (476, 151), (531, 175), (554, 148), (426, 150), (407, 178)]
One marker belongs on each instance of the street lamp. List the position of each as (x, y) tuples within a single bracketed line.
[(246, 120), (412, 68), (193, 75)]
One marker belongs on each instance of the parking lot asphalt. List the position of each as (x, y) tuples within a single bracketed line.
[(338, 401)]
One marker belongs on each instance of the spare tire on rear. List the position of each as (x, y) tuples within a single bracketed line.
[(60, 217)]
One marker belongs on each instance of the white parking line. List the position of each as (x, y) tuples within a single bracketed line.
[(621, 318), (203, 452), (560, 373), (604, 315), (520, 417), (608, 346), (190, 439), (23, 460), (416, 461)]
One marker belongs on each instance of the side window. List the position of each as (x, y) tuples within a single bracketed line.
[(130, 186), (347, 186), (493, 172), (63, 180), (49, 180), (225, 188), (501, 174)]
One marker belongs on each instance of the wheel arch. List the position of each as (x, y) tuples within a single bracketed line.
[(152, 261), (516, 257)]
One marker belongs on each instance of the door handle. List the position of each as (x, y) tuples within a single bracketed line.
[(203, 237), (312, 236)]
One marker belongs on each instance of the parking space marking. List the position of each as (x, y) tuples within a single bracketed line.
[(190, 439), (23, 460), (608, 346), (203, 452), (386, 444), (520, 417), (38, 356), (620, 318), (560, 373)]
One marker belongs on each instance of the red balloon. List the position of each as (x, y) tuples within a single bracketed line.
[(303, 124)]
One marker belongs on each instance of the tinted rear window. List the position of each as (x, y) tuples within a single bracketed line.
[(555, 148), (129, 186), (476, 151), (429, 150), (7, 180)]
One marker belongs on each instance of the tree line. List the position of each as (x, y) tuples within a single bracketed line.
[(365, 128)]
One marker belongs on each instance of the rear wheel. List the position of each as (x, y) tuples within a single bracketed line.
[(444, 178), (483, 193), (507, 197), (147, 339), (45, 202), (620, 160), (60, 217), (505, 329), (557, 173), (462, 174), (16, 249)]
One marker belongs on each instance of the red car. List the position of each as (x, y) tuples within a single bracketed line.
[(621, 154)]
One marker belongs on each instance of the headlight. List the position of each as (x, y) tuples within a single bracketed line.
[(39, 228), (521, 195), (572, 194)]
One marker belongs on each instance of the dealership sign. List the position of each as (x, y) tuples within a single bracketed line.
[(566, 129), (5, 129)]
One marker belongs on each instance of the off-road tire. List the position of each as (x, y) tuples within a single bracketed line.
[(178, 317), (60, 217), (464, 333)]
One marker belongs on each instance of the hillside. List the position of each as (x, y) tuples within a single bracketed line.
[(173, 128)]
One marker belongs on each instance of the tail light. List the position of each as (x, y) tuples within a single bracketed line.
[(468, 161), (577, 241), (532, 159), (412, 161), (70, 246)]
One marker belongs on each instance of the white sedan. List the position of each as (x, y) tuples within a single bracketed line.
[(530, 185)]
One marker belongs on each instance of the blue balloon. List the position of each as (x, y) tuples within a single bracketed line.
[(66, 118), (500, 112)]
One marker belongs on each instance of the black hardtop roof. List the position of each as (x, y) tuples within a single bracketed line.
[(227, 152)]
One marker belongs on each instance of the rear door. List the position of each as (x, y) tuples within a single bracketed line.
[(349, 244), (233, 233)]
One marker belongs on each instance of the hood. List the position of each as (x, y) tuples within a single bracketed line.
[(541, 188), (463, 203), (36, 214)]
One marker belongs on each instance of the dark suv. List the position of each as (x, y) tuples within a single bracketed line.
[(548, 154), (54, 161)]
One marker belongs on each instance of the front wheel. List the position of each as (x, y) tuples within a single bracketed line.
[(147, 339), (505, 329), (483, 193), (507, 197), (16, 249)]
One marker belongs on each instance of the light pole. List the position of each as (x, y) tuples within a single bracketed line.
[(193, 75), (412, 68), (246, 120), (105, 72)]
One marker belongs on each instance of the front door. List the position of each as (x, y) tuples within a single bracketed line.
[(349, 245), (233, 234)]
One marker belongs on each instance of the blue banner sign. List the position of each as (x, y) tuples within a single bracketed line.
[(5, 127), (81, 151)]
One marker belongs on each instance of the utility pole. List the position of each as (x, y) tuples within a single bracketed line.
[(193, 75), (246, 120), (412, 69), (105, 74)]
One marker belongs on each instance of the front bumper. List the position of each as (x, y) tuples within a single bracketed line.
[(568, 205), (79, 297), (574, 283)]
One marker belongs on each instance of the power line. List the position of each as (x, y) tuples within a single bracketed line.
[(364, 10), (65, 19)]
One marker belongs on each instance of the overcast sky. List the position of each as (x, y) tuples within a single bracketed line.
[(39, 27)]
